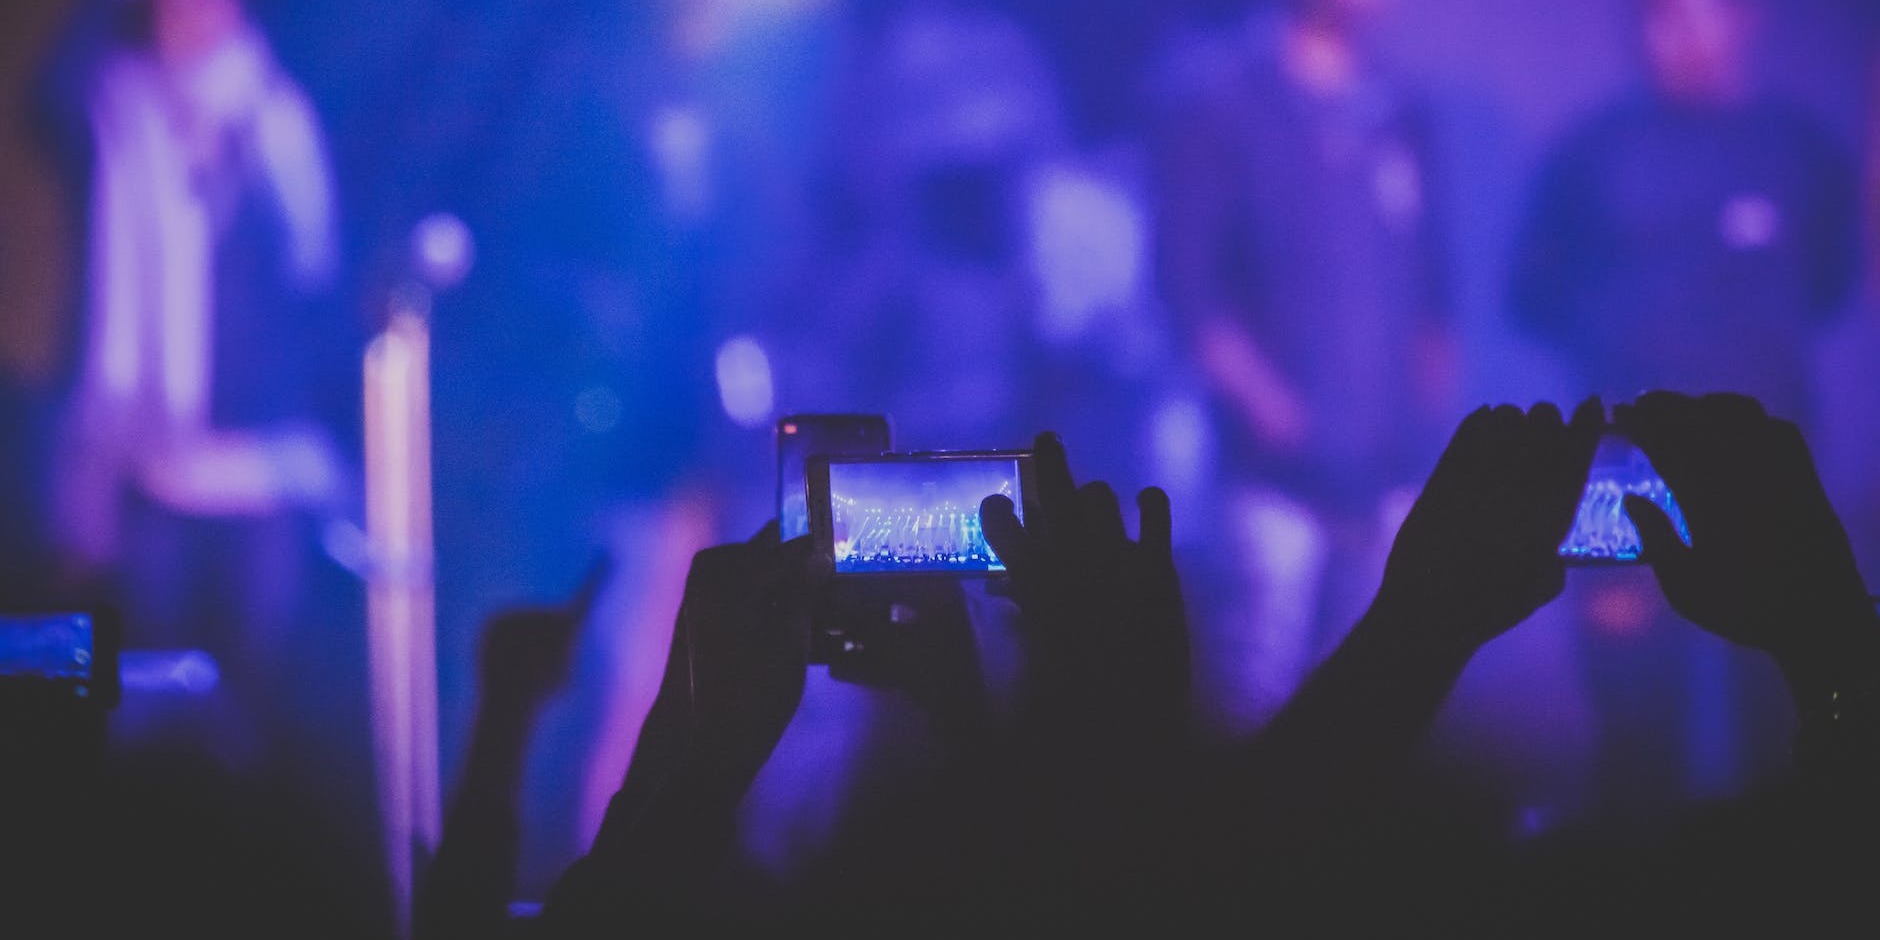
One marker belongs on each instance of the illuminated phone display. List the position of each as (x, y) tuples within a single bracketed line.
[(913, 514), (47, 646), (1602, 533)]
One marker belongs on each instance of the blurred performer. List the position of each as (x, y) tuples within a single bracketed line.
[(950, 109), (192, 438), (1692, 237), (917, 307), (1298, 250)]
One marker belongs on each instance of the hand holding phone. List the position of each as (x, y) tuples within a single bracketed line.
[(1480, 549), (1602, 532), (1771, 567), (912, 514)]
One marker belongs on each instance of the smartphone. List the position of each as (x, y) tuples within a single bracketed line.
[(1602, 533), (800, 437), (60, 653), (902, 514)]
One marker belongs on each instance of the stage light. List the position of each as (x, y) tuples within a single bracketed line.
[(744, 385), (442, 250)]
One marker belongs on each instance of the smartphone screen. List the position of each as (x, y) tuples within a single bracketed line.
[(800, 437), (53, 646), (912, 513), (1602, 533), (46, 646)]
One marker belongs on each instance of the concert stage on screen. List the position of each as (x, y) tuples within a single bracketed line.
[(916, 516)]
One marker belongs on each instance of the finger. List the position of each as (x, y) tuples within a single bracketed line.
[(790, 582), (769, 534), (1585, 428), (598, 573), (792, 566), (1579, 442), (1732, 407), (1544, 449), (1101, 514), (1658, 401), (1508, 442), (798, 558), (1589, 413), (1459, 452), (1006, 536), (1670, 559), (1666, 427), (1155, 525), (1785, 445), (1538, 442), (1654, 414), (1546, 415), (1793, 470), (1507, 417), (1057, 493), (557, 629)]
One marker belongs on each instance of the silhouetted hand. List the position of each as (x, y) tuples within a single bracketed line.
[(915, 634), (1105, 628), (1096, 774), (1479, 551), (525, 659), (1477, 554), (746, 695), (1769, 565), (746, 623), (733, 681), (527, 653)]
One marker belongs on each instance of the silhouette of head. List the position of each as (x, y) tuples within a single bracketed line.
[(1698, 51)]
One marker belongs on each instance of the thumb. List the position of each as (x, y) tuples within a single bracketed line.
[(1669, 557), (1004, 533), (770, 534)]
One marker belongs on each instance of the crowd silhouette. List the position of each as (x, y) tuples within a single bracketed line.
[(1091, 802), (1093, 805), (1336, 672)]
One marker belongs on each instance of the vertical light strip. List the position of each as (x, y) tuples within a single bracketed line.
[(428, 812), (399, 598)]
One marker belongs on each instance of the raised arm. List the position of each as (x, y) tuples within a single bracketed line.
[(525, 660), (1477, 555), (732, 684), (1768, 566), (1096, 763)]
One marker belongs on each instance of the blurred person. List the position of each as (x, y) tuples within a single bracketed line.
[(1694, 236), (1850, 450), (1768, 570), (1300, 254), (950, 107), (631, 174), (37, 251), (1323, 806), (919, 304), (194, 441), (526, 657)]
